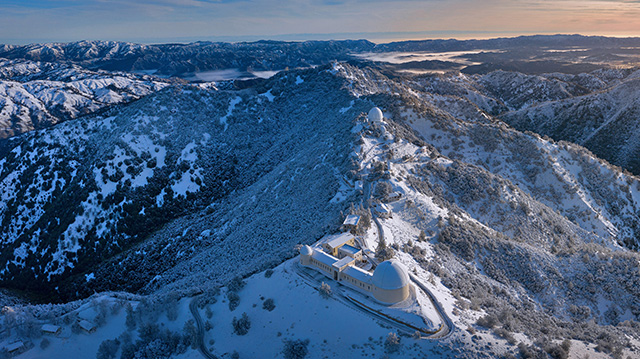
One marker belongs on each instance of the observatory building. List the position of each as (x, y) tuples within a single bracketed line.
[(375, 115), (389, 283)]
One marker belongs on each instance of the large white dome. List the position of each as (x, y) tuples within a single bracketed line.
[(390, 275), (306, 250), (375, 115)]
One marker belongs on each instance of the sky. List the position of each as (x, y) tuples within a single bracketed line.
[(161, 21)]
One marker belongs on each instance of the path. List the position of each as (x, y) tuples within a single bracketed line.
[(202, 348), (447, 324)]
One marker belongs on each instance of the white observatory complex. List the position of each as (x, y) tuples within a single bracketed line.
[(389, 283)]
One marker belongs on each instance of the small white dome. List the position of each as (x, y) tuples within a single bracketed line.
[(306, 250), (390, 275), (375, 115)]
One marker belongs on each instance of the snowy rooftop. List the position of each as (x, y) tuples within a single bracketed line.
[(357, 273), (343, 262), (323, 257), (86, 325), (382, 208), (338, 240), (14, 346), (351, 220), (50, 328), (349, 250)]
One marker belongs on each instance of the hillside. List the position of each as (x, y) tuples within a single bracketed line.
[(526, 241), (603, 119), (181, 59), (81, 192), (36, 95)]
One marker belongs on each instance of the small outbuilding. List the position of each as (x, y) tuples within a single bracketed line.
[(87, 326), (51, 329), (382, 210), (394, 196), (15, 347), (351, 223)]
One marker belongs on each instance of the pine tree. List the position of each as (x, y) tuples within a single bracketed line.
[(130, 320), (384, 252)]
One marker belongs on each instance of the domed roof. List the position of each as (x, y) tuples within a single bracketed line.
[(390, 275), (375, 115), (306, 250)]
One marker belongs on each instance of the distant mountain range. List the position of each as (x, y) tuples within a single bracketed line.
[(180, 59)]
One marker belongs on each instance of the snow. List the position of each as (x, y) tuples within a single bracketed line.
[(403, 57), (232, 105), (300, 313), (299, 80), (188, 181), (269, 95), (345, 109)]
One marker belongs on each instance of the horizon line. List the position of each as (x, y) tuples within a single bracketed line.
[(374, 37)]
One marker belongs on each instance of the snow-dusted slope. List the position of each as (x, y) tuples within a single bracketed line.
[(185, 59), (35, 95), (185, 189), (265, 163), (525, 233), (604, 121)]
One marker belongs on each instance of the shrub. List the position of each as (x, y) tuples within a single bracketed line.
[(269, 304), (171, 307), (108, 349), (384, 252), (392, 343), (268, 273), (130, 320), (325, 290), (383, 189), (241, 326), (234, 300), (208, 326), (488, 321), (236, 284), (44, 344), (189, 334), (295, 349), (503, 333)]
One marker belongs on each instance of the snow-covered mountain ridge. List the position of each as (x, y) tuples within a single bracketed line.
[(35, 95), (179, 59), (85, 190), (181, 191)]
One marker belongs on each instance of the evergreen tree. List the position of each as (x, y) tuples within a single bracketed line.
[(384, 252), (130, 320)]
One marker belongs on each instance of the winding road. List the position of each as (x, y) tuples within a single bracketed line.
[(447, 323), (202, 348), (445, 329)]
